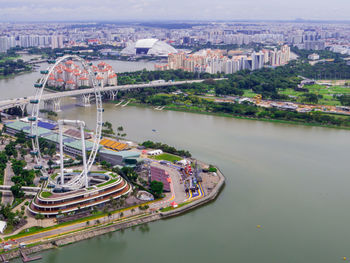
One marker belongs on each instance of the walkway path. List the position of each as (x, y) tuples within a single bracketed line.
[(7, 198)]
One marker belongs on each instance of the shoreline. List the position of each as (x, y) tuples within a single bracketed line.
[(108, 227), (16, 74), (226, 115)]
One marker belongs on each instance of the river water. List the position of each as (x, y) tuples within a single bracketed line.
[(291, 180), (22, 85)]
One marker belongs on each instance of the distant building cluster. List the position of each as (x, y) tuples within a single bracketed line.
[(139, 38), (213, 61), (308, 41), (342, 49), (69, 75), (52, 41)]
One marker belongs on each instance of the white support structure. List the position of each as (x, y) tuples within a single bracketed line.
[(57, 105), (53, 105), (81, 125), (85, 172), (22, 107), (84, 100), (60, 129), (112, 94)]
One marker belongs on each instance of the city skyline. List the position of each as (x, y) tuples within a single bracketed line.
[(34, 10)]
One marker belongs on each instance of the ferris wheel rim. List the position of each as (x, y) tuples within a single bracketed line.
[(78, 181)]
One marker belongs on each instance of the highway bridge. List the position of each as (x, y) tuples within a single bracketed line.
[(53, 99)]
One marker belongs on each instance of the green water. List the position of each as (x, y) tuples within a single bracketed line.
[(292, 180)]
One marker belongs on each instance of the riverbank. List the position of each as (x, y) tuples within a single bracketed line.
[(70, 237), (16, 74), (240, 117)]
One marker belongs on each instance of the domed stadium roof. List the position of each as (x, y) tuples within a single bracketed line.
[(151, 47)]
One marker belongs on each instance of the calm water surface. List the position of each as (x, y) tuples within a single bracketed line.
[(292, 180), (22, 85)]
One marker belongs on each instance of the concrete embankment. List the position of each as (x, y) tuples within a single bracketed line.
[(208, 198), (79, 236), (100, 230)]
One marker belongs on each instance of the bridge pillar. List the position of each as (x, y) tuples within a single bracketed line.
[(112, 94), (53, 105), (23, 107), (84, 100)]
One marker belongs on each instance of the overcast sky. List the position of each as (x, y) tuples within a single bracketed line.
[(92, 10)]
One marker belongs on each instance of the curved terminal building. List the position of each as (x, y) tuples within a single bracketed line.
[(149, 47), (104, 187)]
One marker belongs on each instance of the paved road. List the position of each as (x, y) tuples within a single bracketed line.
[(73, 227), (7, 198), (178, 195)]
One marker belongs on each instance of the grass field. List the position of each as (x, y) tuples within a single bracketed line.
[(107, 183), (167, 157), (326, 92), (8, 58), (249, 94), (46, 194)]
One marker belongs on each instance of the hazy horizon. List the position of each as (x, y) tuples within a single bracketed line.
[(158, 10)]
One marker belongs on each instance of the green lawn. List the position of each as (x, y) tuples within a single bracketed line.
[(8, 58), (46, 194), (169, 208), (290, 92), (326, 92), (8, 230), (107, 183), (30, 230), (167, 157), (249, 94), (54, 176)]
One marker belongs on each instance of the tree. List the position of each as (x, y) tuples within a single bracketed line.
[(50, 163), (39, 216), (3, 158), (10, 149), (21, 137), (156, 188), (17, 191)]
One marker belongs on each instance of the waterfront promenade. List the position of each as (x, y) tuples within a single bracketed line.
[(87, 228)]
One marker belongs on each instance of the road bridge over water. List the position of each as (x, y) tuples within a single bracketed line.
[(52, 100)]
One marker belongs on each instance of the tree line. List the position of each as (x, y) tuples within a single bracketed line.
[(166, 148)]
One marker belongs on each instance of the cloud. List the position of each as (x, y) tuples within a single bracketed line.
[(74, 10)]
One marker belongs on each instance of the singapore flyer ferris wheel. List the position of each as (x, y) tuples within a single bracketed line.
[(80, 180)]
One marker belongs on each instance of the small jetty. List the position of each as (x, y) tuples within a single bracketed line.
[(159, 107), (119, 103), (126, 103), (25, 258), (3, 259)]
